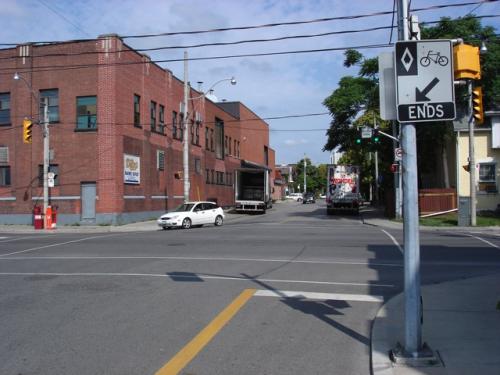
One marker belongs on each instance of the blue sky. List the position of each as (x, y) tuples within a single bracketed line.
[(271, 86)]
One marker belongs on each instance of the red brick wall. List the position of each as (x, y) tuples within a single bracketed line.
[(113, 72)]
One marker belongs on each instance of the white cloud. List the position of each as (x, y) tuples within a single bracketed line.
[(271, 86), (295, 142)]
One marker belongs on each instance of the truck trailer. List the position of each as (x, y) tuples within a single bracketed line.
[(252, 189), (343, 188)]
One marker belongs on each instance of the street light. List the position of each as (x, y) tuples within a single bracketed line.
[(18, 77), (185, 158)]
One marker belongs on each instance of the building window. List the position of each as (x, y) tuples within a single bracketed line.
[(137, 111), (266, 155), (234, 149), (487, 178), (53, 102), (226, 148), (207, 179), (152, 111), (52, 168), (5, 175), (161, 123), (212, 140), (207, 145), (174, 125), (191, 128), (238, 148), (180, 133), (197, 165), (229, 144), (86, 112), (197, 133), (219, 138), (160, 160), (4, 109), (212, 180)]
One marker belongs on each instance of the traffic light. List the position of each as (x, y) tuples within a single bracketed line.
[(477, 105), (466, 60), (27, 130), (376, 136), (358, 141)]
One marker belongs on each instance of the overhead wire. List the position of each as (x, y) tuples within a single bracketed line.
[(290, 23)]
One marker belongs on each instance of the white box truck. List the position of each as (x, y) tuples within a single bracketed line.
[(342, 191), (252, 189)]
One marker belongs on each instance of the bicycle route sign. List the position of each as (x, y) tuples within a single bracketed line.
[(424, 81)]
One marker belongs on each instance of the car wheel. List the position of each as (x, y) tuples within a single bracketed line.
[(218, 221), (186, 223), (165, 228), (299, 200)]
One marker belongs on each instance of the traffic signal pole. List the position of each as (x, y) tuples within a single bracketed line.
[(472, 158), (413, 309)]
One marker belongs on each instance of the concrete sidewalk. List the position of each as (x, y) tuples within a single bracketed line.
[(461, 324), (142, 226), (461, 319)]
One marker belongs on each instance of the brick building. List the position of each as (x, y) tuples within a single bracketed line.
[(116, 140)]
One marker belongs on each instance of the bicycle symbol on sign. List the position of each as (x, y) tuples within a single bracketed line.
[(436, 58)]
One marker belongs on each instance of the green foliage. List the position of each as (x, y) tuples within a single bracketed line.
[(355, 101), (472, 32), (315, 177)]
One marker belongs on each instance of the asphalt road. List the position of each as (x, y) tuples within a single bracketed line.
[(213, 301)]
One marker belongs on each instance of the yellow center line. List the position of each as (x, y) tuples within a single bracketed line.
[(186, 354)]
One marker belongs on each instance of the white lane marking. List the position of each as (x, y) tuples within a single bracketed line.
[(319, 262), (207, 259), (55, 244), (320, 296), (24, 238), (393, 240), (477, 238), (193, 276), (485, 241)]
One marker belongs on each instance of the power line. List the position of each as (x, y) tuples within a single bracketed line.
[(220, 57), (291, 23), (374, 14), (218, 44), (63, 17)]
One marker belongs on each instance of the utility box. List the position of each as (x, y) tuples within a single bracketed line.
[(464, 211)]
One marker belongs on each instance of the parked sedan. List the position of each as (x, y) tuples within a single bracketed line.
[(192, 214), (309, 198)]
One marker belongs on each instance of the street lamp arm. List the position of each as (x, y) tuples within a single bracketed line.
[(232, 80), (18, 77)]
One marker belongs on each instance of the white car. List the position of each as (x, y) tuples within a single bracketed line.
[(297, 197), (192, 214)]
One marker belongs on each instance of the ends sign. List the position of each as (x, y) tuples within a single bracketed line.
[(424, 81)]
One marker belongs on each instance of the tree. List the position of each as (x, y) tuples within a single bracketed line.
[(356, 95)]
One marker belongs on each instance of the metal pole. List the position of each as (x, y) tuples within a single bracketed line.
[(413, 329), (376, 164), (397, 178), (305, 166), (185, 159), (472, 159), (46, 161)]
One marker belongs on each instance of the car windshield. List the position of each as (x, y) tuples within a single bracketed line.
[(184, 207)]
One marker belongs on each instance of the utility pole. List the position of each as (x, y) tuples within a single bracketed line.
[(305, 166), (46, 159), (185, 158), (472, 158), (413, 308), (397, 176), (376, 163)]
